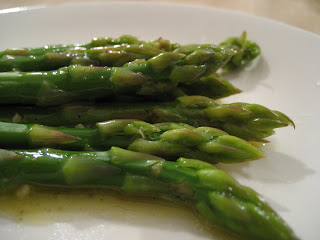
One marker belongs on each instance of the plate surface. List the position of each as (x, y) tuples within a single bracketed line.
[(285, 77)]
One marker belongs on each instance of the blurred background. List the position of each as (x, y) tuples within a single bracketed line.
[(304, 14)]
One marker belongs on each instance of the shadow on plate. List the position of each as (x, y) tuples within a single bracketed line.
[(249, 78), (275, 168)]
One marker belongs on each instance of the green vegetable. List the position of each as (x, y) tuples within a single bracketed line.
[(159, 76), (110, 56), (169, 140), (116, 52), (215, 194), (100, 51), (248, 121), (244, 52)]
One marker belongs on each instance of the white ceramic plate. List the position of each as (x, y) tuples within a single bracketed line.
[(285, 78)]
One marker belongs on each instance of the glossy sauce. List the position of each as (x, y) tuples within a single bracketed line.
[(44, 206)]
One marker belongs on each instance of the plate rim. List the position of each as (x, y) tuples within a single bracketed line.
[(39, 7)]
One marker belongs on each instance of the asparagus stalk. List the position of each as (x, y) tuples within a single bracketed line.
[(244, 52), (251, 122), (96, 42), (110, 56), (160, 43), (215, 194), (55, 56), (152, 78), (168, 140), (114, 52)]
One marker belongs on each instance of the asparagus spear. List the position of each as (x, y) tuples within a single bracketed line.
[(114, 52), (97, 42), (169, 140), (215, 194), (156, 76), (248, 121), (244, 52), (160, 43), (55, 56), (110, 56)]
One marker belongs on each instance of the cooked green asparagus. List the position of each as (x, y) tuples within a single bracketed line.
[(153, 78), (244, 52), (160, 43), (53, 57), (168, 140), (248, 121), (215, 194), (113, 52), (103, 56)]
